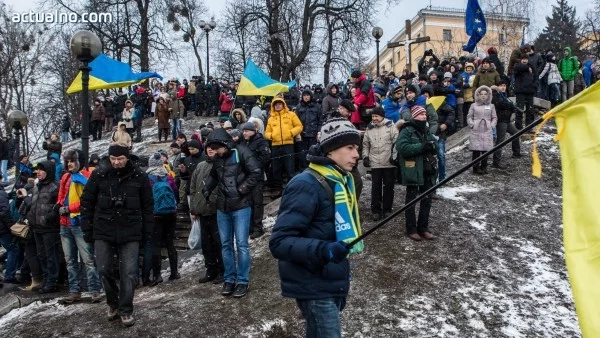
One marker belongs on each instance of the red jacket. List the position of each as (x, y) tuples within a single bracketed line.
[(74, 204), (226, 102), (363, 96)]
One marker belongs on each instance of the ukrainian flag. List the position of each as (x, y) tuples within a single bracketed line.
[(107, 73), (579, 141), (256, 82)]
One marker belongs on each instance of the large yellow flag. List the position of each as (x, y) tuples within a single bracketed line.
[(578, 123)]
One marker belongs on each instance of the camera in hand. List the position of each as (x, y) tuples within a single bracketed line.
[(428, 52), (118, 202)]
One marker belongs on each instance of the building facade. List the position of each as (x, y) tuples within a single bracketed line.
[(446, 29)]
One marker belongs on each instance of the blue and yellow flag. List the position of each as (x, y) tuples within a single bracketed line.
[(107, 73), (475, 25), (256, 82), (579, 140)]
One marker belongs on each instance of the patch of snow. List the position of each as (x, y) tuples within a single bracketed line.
[(458, 148), (452, 193), (478, 224)]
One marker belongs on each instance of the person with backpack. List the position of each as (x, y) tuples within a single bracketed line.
[(568, 67), (164, 192), (308, 239)]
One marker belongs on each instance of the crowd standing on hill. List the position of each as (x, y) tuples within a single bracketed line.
[(305, 144)]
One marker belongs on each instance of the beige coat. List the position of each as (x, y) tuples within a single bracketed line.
[(128, 117), (121, 136), (379, 143)]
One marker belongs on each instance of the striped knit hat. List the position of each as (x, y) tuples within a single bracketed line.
[(416, 110), (337, 133)]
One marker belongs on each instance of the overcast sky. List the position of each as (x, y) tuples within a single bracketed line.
[(391, 20)]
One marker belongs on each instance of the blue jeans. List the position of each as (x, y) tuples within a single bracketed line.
[(176, 128), (4, 165), (322, 316), (118, 296), (74, 246), (12, 251), (441, 156), (235, 223), (64, 137)]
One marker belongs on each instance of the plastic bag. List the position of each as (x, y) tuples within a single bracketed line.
[(194, 238)]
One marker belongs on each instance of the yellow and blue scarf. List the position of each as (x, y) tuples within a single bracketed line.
[(347, 219)]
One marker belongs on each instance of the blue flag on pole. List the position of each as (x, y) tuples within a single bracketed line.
[(475, 25)]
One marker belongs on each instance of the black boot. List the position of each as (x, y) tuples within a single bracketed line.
[(208, 276)]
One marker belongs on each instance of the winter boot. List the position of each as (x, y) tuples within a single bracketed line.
[(36, 284), (73, 297)]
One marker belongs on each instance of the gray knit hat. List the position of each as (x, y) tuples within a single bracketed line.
[(337, 133), (155, 160)]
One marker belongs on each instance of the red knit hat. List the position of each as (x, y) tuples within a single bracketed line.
[(492, 50), (416, 110)]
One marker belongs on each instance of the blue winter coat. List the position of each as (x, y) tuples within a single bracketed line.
[(304, 226), (59, 166), (392, 109), (587, 73)]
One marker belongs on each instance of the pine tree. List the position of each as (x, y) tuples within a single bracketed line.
[(561, 30)]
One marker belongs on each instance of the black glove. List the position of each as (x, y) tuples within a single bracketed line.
[(429, 147), (367, 162), (88, 237), (335, 252), (206, 194), (393, 162)]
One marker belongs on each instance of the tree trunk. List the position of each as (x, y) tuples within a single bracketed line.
[(144, 35), (276, 64), (329, 51)]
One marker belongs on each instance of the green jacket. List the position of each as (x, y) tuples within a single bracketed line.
[(198, 204), (432, 117), (568, 66), (409, 145)]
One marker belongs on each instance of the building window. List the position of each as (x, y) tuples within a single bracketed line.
[(447, 35)]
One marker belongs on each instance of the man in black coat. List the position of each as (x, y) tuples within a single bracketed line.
[(117, 213), (109, 113), (504, 111), (309, 113), (525, 88), (52, 145), (262, 152), (236, 172)]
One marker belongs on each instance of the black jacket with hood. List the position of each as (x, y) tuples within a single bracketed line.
[(310, 115), (331, 101), (43, 214), (236, 173)]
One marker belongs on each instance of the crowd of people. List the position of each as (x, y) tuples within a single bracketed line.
[(305, 145)]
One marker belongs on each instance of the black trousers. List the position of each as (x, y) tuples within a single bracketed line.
[(282, 158), (501, 129), (48, 250), (258, 209), (210, 241), (422, 224), (525, 103), (302, 149), (164, 233), (481, 164), (382, 189), (358, 182), (96, 129), (32, 258), (165, 132), (465, 112)]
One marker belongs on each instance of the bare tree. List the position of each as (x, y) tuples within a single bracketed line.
[(185, 16), (590, 31)]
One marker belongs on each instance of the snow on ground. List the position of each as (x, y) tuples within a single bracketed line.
[(453, 193)]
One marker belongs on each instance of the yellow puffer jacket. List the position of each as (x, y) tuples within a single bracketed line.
[(283, 126)]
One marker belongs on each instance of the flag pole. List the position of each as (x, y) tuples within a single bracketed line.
[(444, 182)]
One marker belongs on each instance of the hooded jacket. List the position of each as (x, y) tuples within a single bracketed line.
[(392, 107), (409, 145), (468, 84), (238, 123), (177, 108), (121, 136), (198, 204), (481, 119), (128, 115), (305, 225), (568, 66), (432, 118), (364, 96), (163, 115), (43, 215), (236, 173), (331, 101), (310, 114), (283, 126), (71, 188), (525, 79), (54, 147), (98, 113), (260, 149), (486, 77), (117, 204), (504, 106), (58, 171)]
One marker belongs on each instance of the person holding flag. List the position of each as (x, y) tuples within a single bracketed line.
[(317, 217)]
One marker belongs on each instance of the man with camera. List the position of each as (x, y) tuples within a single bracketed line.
[(424, 65), (117, 213)]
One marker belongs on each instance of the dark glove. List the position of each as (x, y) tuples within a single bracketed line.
[(88, 237), (206, 194), (393, 162), (335, 252), (12, 195), (367, 162), (429, 147), (64, 210)]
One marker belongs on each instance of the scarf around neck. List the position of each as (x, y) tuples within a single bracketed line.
[(347, 220)]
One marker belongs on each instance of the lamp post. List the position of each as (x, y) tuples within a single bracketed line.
[(377, 33), (208, 26), (85, 45), (17, 120)]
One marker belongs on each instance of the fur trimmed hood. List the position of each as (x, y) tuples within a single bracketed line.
[(481, 89)]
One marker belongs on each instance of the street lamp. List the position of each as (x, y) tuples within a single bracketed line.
[(85, 45), (17, 120), (208, 26), (377, 33)]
